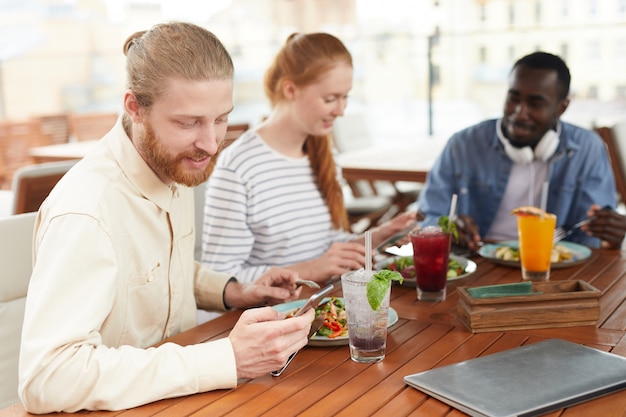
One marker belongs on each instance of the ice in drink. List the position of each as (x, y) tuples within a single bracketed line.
[(367, 328)]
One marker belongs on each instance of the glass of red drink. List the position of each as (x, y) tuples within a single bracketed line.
[(431, 252)]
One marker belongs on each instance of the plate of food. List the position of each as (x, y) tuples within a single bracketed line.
[(458, 267), (564, 254), (334, 331)]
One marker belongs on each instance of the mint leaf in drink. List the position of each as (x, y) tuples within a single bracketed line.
[(448, 226), (378, 286)]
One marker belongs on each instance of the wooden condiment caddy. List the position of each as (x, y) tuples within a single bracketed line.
[(559, 304)]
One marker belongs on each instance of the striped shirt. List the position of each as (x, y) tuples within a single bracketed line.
[(263, 209)]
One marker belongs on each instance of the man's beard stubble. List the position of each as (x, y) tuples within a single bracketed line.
[(171, 166)]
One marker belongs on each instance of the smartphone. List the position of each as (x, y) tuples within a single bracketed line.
[(314, 300)]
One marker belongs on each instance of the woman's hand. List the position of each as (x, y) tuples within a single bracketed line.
[(402, 223), (277, 285), (340, 258)]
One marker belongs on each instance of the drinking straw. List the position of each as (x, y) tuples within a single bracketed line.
[(368, 250), (544, 198), (452, 207)]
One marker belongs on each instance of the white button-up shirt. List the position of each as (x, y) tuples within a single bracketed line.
[(114, 274)]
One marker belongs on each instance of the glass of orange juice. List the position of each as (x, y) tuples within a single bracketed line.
[(536, 230)]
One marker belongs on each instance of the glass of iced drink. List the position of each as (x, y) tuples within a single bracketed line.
[(535, 230), (367, 328), (431, 253)]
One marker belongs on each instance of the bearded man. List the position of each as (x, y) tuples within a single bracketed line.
[(114, 271)]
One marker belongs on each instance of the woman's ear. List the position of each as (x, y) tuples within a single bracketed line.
[(289, 89), (132, 107)]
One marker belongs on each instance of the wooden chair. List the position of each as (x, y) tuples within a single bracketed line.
[(350, 133), (616, 157), (233, 132), (90, 126), (33, 183), (16, 139), (369, 201), (366, 212), (56, 127), (16, 237)]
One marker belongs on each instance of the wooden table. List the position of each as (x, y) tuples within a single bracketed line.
[(323, 381), (62, 152), (410, 162)]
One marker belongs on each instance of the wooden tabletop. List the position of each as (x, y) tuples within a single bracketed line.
[(323, 381), (62, 151), (405, 162)]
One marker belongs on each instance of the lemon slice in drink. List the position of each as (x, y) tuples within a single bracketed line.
[(531, 211)]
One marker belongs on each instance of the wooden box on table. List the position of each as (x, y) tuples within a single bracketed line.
[(560, 304)]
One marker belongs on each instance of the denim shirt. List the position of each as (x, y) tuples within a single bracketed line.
[(474, 166)]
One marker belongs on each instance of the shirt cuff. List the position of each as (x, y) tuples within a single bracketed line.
[(209, 288), (216, 365), (231, 279)]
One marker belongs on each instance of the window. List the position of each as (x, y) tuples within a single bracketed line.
[(564, 52), (389, 46), (482, 12), (435, 75), (565, 8), (482, 55), (593, 52), (511, 14), (538, 12), (619, 54), (512, 55)]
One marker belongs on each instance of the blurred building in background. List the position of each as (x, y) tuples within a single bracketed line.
[(442, 63)]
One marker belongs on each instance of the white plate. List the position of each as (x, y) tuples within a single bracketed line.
[(580, 254), (468, 265), (323, 340)]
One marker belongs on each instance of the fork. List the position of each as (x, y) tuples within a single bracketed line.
[(308, 283), (561, 233)]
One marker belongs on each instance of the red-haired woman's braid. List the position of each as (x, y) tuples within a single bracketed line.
[(323, 164)]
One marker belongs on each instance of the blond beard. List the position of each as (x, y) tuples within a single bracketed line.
[(166, 165)]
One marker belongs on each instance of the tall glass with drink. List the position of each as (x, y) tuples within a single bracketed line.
[(536, 230), (431, 253), (367, 328)]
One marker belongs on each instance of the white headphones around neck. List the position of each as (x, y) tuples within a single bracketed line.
[(544, 149)]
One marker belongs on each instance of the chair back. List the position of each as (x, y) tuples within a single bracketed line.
[(619, 135), (233, 131), (91, 126), (33, 183), (617, 156), (16, 238), (56, 127), (16, 140)]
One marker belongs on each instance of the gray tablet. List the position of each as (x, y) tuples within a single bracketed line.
[(530, 380)]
